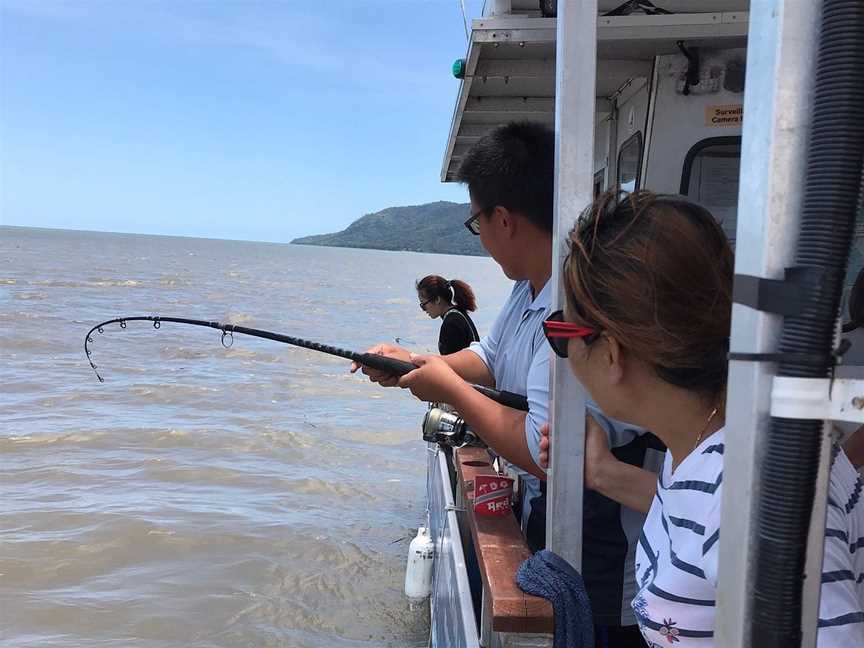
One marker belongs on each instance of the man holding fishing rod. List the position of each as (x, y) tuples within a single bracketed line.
[(509, 174), (510, 179)]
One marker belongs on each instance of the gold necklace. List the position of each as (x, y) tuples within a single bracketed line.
[(704, 429)]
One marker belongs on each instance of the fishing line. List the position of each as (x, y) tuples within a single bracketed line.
[(391, 366)]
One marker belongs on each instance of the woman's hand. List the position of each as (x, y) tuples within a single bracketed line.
[(382, 377), (597, 453), (433, 381)]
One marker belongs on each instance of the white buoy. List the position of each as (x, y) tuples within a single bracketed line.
[(418, 573)]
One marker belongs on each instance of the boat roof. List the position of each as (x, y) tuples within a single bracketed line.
[(510, 65)]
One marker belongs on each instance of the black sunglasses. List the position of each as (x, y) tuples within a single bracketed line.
[(558, 333), (473, 222)]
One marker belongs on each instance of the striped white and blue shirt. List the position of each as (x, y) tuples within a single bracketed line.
[(676, 560)]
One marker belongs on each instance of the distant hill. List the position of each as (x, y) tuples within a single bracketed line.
[(434, 227)]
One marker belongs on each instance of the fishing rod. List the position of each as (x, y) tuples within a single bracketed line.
[(391, 366)]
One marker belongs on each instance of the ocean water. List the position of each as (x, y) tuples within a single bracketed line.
[(253, 496)]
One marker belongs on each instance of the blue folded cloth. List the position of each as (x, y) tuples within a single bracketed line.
[(549, 576)]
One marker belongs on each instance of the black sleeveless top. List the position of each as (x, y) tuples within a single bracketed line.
[(457, 332)]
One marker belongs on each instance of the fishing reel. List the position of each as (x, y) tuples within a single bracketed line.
[(443, 425)]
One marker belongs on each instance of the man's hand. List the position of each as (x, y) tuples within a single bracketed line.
[(382, 378), (597, 452), (544, 447), (631, 486), (433, 381)]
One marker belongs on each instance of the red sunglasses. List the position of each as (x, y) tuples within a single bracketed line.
[(558, 332)]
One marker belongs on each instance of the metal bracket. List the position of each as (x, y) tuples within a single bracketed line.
[(840, 399), (788, 296)]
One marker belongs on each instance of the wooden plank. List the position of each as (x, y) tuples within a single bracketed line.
[(500, 550)]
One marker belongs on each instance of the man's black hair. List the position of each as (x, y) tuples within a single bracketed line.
[(513, 166)]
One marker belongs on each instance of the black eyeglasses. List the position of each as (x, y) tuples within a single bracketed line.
[(558, 333), (473, 222), (423, 303)]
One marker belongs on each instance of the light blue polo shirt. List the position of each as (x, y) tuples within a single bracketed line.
[(517, 355)]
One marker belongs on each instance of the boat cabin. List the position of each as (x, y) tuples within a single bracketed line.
[(641, 95)]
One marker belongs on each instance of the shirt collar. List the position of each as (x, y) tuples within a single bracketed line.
[(543, 300)]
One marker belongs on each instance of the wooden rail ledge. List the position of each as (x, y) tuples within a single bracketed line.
[(500, 550)]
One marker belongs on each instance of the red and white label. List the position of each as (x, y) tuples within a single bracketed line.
[(492, 494)]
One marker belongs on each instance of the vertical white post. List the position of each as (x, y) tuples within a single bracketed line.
[(501, 7), (777, 107), (575, 72)]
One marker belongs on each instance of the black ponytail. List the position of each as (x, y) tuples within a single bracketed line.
[(455, 292)]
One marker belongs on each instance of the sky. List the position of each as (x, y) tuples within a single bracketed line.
[(252, 120)]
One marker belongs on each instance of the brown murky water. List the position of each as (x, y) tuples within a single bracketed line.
[(254, 496)]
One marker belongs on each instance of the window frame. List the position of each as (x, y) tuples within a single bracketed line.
[(599, 180), (696, 149), (638, 183)]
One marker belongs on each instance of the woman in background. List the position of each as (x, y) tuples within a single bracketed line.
[(451, 301)]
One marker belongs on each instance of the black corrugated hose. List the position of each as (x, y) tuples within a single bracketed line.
[(831, 198)]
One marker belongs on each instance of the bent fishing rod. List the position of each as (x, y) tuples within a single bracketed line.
[(391, 366)]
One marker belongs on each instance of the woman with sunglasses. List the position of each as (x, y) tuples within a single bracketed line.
[(648, 286), (451, 301)]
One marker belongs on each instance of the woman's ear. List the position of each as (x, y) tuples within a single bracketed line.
[(615, 359)]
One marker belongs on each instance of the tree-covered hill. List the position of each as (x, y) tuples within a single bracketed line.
[(434, 227)]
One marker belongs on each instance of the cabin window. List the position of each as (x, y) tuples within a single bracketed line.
[(630, 163), (599, 182), (710, 178)]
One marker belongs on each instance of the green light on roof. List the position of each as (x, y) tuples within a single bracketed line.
[(459, 68)]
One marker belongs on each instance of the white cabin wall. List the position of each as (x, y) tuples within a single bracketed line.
[(680, 121)]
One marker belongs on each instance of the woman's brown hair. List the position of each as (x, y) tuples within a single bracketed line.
[(655, 272), (455, 291)]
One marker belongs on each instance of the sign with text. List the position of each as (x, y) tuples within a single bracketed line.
[(731, 115)]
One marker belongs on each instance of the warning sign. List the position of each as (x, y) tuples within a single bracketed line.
[(732, 115)]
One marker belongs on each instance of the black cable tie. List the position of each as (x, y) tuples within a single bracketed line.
[(813, 359), (801, 286)]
